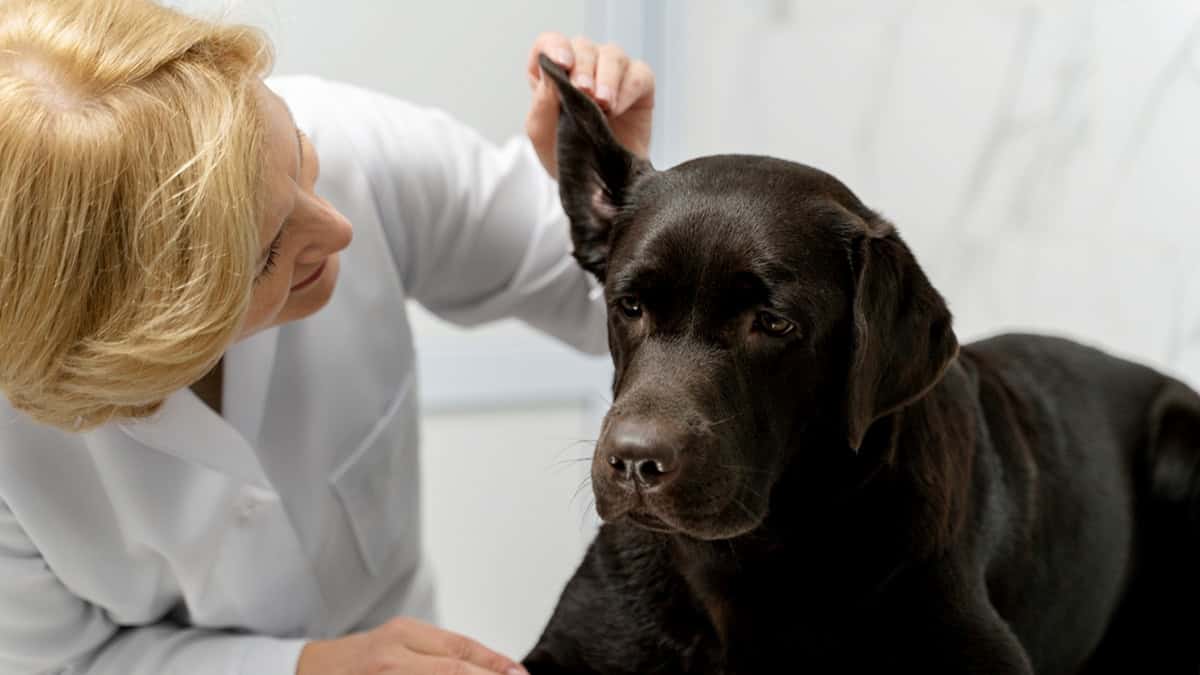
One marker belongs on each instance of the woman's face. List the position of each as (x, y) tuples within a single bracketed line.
[(298, 267)]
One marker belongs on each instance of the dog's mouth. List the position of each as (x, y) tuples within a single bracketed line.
[(722, 524), (649, 521)]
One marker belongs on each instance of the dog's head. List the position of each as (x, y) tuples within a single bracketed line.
[(752, 301)]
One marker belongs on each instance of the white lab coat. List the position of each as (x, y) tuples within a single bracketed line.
[(191, 543)]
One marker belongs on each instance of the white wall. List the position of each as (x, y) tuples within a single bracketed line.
[(465, 57), (1039, 156)]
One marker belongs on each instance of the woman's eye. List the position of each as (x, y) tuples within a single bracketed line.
[(630, 307), (773, 324), (272, 254)]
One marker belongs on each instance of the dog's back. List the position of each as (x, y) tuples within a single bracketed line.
[(1096, 452)]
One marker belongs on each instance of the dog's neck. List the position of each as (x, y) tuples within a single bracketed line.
[(854, 517)]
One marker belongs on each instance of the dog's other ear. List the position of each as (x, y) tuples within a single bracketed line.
[(903, 339), (594, 171)]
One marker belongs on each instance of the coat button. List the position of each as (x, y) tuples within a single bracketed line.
[(251, 505)]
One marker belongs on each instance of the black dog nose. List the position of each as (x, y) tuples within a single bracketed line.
[(643, 452)]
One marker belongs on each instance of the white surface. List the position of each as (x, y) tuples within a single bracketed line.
[(509, 514)]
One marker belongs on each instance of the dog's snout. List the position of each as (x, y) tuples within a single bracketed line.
[(643, 453)]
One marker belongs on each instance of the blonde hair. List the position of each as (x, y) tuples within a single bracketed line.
[(131, 166)]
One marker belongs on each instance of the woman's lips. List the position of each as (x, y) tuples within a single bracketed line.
[(310, 278)]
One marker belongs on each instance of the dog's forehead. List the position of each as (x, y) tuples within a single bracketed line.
[(770, 177), (739, 213)]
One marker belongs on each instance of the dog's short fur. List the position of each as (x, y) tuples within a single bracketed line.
[(802, 472)]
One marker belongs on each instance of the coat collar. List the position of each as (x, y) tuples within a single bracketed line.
[(248, 368), (187, 428)]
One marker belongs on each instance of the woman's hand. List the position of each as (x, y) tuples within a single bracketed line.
[(623, 88), (403, 647)]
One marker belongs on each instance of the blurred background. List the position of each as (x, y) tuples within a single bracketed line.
[(1041, 158)]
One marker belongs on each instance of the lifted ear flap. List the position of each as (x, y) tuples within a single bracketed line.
[(903, 339), (594, 171)]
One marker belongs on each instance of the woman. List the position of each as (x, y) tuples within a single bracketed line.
[(191, 479)]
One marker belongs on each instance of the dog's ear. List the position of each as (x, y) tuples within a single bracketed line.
[(903, 339), (594, 171)]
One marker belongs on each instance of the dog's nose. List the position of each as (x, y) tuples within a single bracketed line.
[(643, 452)]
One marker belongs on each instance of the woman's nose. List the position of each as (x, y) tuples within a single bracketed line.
[(326, 229)]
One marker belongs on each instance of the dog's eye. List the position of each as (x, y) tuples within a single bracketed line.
[(774, 325), (630, 306)]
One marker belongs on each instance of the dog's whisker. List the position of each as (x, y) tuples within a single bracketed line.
[(591, 507), (559, 462), (737, 502), (558, 466), (744, 469), (575, 443), (724, 420), (754, 492), (570, 460), (579, 490)]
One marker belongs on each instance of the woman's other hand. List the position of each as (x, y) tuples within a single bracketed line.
[(403, 647), (623, 88)]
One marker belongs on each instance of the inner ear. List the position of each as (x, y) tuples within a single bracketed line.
[(602, 204), (595, 173)]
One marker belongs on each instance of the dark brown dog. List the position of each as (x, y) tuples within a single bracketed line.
[(802, 472)]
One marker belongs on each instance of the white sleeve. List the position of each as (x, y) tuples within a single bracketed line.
[(477, 231), (44, 628)]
